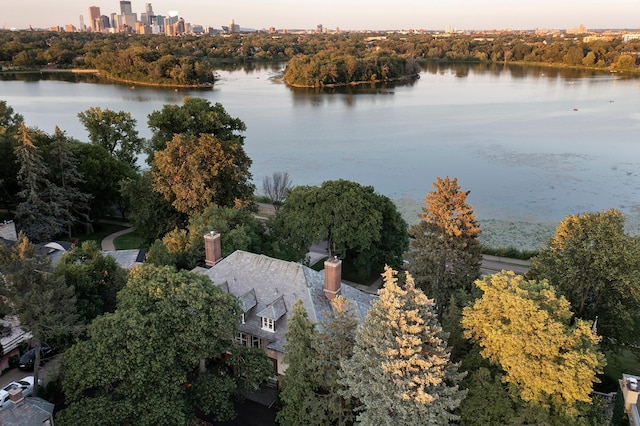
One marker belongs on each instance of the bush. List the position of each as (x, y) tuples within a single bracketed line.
[(510, 252)]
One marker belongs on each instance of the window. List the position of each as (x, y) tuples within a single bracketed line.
[(242, 339), (243, 318), (268, 324), (255, 342)]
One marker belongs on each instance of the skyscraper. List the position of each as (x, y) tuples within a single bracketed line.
[(148, 9), (125, 8), (94, 14)]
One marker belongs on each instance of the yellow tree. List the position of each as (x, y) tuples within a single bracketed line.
[(195, 171), (400, 371), (446, 252), (525, 328)]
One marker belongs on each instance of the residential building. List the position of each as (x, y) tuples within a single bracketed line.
[(267, 288), (27, 411)]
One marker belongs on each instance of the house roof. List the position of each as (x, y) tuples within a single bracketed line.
[(127, 259), (32, 412), (277, 285)]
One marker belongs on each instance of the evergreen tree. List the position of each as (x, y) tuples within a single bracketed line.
[(300, 405), (334, 344), (400, 372), (41, 215), (65, 174), (40, 299), (9, 128), (446, 252)]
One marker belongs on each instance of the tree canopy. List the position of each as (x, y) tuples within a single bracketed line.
[(400, 372), (527, 329), (195, 117), (141, 363), (355, 222), (445, 249), (195, 171), (596, 266), (114, 131)]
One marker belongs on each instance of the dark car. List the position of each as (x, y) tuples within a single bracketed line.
[(29, 357)]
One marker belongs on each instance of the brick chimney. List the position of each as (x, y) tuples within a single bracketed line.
[(332, 278), (212, 248), (15, 395)]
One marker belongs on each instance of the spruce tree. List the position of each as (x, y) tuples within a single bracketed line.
[(446, 252), (300, 405), (400, 372), (334, 344), (66, 176), (40, 214)]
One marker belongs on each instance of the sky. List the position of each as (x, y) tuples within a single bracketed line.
[(346, 14)]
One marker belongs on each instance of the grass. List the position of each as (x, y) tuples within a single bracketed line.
[(101, 231), (626, 361), (130, 241)]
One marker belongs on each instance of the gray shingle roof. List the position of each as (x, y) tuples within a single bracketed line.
[(277, 285)]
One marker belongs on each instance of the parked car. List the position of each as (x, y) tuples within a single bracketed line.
[(26, 383), (28, 358)]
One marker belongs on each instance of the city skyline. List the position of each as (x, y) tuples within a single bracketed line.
[(351, 15)]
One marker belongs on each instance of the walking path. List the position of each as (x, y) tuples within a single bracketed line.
[(107, 242)]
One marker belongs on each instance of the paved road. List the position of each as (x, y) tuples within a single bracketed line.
[(48, 370)]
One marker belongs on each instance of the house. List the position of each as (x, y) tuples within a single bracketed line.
[(27, 411), (267, 288)]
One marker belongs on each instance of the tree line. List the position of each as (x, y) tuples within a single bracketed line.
[(191, 60)]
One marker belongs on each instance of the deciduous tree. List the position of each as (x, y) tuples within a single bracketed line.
[(276, 187), (523, 326), (444, 247), (96, 279), (400, 372), (115, 131), (596, 266), (141, 364), (352, 219), (196, 171), (195, 117)]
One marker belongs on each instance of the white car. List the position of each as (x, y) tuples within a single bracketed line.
[(26, 383)]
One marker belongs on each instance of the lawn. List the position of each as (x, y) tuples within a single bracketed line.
[(627, 361), (130, 241), (101, 231)]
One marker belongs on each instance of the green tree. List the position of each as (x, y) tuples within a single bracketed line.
[(195, 117), (151, 214), (65, 174), (596, 266), (115, 131), (195, 171), (143, 364), (184, 248), (351, 218), (96, 279), (400, 372), (487, 402), (41, 214), (299, 402), (9, 128), (40, 299), (524, 327), (445, 249)]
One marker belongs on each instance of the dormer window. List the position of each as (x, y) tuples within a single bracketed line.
[(268, 324), (272, 313)]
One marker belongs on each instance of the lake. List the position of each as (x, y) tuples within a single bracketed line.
[(530, 144)]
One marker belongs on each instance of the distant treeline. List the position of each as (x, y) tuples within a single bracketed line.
[(327, 58)]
